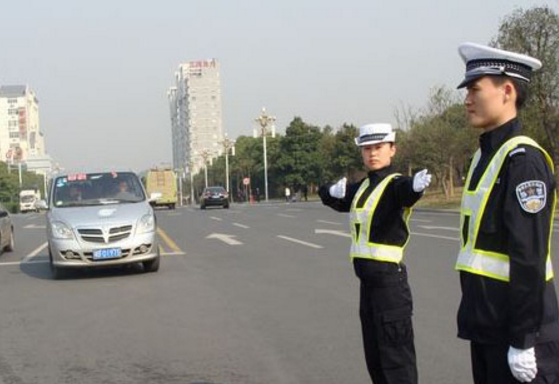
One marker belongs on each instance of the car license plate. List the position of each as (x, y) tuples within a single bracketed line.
[(102, 254)]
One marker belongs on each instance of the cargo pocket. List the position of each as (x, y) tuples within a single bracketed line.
[(396, 345)]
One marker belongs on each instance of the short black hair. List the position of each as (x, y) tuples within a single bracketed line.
[(520, 86)]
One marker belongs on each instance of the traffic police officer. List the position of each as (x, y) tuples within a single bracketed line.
[(509, 305), (379, 207)]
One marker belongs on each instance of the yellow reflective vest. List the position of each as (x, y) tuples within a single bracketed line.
[(470, 258), (360, 223)]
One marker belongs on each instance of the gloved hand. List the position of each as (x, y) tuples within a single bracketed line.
[(421, 180), (522, 363), (338, 190)]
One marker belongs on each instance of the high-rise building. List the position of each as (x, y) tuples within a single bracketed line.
[(21, 141), (196, 120), (20, 136)]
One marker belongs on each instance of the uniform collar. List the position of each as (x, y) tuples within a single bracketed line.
[(380, 174), (490, 141)]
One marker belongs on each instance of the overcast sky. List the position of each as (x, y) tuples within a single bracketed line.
[(101, 70)]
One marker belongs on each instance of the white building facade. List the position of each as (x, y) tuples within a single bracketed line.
[(196, 117), (21, 139)]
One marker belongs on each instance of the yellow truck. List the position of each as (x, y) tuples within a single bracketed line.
[(161, 183)]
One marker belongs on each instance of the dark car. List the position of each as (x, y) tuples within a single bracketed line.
[(214, 196)]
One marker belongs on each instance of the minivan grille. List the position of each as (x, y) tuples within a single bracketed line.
[(95, 235)]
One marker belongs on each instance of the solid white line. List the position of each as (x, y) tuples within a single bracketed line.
[(422, 220), (436, 236), (330, 222), (28, 258), (216, 218), (301, 242), (284, 215), (442, 228), (28, 262), (241, 225)]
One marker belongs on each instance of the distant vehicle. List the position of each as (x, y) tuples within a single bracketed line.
[(213, 196), (27, 200), (7, 237), (162, 183), (100, 219)]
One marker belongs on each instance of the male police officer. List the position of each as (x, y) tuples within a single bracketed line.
[(509, 305), (379, 207)]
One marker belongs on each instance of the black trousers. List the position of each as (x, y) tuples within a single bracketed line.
[(490, 364), (386, 321)]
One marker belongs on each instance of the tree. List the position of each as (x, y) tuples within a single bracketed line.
[(535, 32), (299, 160)]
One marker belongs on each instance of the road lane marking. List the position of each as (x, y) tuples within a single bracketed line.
[(168, 240), (284, 215), (329, 222), (35, 226), (216, 218), (436, 227), (293, 209), (172, 253), (228, 239), (332, 232), (435, 236), (35, 252), (241, 225), (301, 242), (422, 220)]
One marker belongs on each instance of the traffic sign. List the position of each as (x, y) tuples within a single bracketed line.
[(246, 181)]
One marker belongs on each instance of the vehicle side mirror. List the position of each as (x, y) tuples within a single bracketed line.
[(41, 204)]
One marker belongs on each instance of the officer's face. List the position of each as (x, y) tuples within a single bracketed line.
[(378, 156), (488, 103)]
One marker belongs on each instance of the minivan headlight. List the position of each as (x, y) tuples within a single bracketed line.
[(147, 224), (61, 230)]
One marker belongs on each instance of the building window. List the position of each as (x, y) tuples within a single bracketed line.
[(14, 135)]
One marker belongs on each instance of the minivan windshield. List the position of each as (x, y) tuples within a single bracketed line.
[(85, 189)]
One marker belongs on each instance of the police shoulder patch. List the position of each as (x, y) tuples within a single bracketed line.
[(531, 195)]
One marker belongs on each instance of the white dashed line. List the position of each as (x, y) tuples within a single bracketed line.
[(216, 218), (328, 222), (301, 242), (284, 215), (241, 225)]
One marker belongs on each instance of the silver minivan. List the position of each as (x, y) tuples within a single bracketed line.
[(100, 219)]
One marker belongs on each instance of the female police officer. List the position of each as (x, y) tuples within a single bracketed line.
[(509, 306), (379, 207)]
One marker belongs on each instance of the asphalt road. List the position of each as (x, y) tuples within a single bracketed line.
[(251, 295)]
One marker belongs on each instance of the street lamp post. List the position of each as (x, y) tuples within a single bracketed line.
[(264, 121), (205, 155), (227, 145), (191, 172)]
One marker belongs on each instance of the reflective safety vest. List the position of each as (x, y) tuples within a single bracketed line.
[(478, 261), (360, 223)]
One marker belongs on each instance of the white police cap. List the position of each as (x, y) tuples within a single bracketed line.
[(374, 134), (482, 60)]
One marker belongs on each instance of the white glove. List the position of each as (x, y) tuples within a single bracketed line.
[(522, 363), (338, 190), (421, 180)]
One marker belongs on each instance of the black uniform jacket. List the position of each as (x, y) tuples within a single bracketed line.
[(521, 312), (388, 225)]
